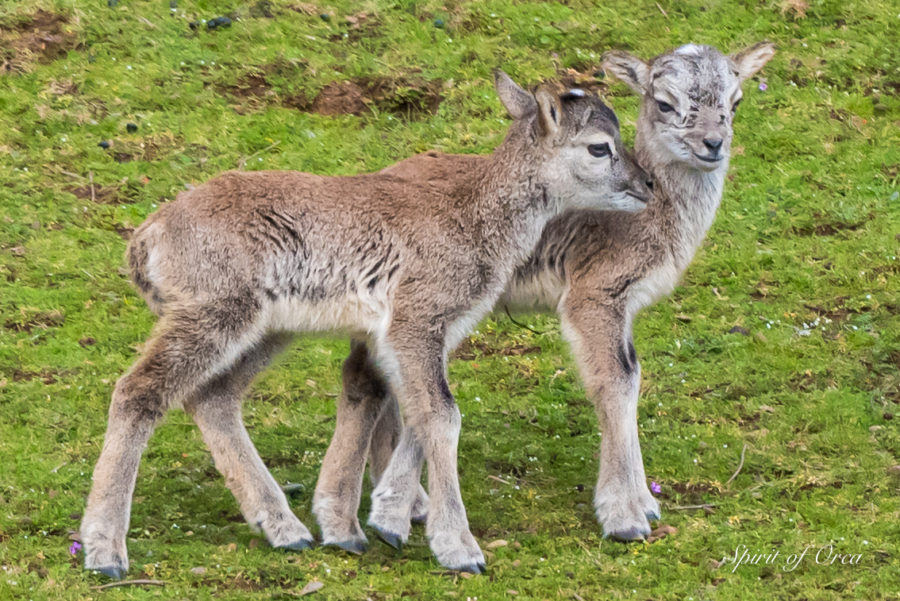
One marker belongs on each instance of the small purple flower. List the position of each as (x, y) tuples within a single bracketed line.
[(655, 488), (762, 86), (75, 548)]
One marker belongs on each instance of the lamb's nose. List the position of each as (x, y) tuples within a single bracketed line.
[(714, 144)]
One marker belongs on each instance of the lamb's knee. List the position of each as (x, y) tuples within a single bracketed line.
[(136, 398)]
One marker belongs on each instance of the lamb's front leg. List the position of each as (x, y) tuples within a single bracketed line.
[(416, 370), (600, 336)]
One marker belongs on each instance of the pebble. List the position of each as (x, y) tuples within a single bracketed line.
[(325, 17), (218, 22), (104, 144), (496, 544), (200, 571)]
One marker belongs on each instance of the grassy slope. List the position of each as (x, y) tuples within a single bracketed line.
[(808, 221)]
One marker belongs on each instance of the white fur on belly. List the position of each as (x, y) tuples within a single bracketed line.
[(354, 313)]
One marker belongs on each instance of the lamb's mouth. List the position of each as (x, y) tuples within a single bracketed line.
[(708, 159)]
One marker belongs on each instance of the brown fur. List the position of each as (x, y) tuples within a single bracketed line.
[(598, 270), (237, 264)]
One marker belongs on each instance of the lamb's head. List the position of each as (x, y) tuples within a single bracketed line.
[(571, 144), (690, 96)]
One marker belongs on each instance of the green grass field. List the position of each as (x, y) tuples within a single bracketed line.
[(803, 256)]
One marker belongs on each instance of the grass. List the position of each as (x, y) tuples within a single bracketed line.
[(802, 257)]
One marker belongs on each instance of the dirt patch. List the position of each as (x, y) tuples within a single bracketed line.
[(837, 313), (694, 492), (29, 319), (46, 376), (360, 26), (829, 228), (40, 38), (469, 350), (407, 97), (339, 98), (251, 85), (104, 195)]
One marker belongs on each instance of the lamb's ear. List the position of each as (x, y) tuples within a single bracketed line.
[(517, 101), (549, 113), (750, 60), (629, 69)]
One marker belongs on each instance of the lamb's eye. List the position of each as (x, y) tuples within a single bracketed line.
[(735, 105), (599, 150), (664, 107)]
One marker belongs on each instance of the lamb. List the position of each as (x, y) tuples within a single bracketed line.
[(238, 265), (597, 270)]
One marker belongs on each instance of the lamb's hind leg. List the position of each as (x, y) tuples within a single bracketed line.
[(336, 500), (600, 336), (216, 409), (190, 345), (385, 442)]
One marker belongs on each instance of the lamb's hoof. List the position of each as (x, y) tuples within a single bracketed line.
[(625, 515), (391, 538), (357, 547), (625, 535), (112, 572), (300, 545), (473, 568)]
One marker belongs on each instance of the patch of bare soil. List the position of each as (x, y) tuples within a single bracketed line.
[(105, 195), (30, 320), (829, 227), (39, 39), (469, 350), (407, 97), (404, 97), (45, 375)]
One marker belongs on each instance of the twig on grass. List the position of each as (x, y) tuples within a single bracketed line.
[(498, 479), (740, 466), (664, 13), (689, 507), (91, 179), (243, 162), (139, 582)]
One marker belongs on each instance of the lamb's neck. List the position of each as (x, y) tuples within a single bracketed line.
[(684, 203), (509, 209)]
